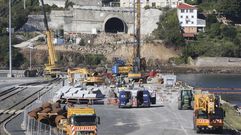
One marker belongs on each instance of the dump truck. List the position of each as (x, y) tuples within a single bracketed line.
[(185, 99), (208, 113), (80, 121)]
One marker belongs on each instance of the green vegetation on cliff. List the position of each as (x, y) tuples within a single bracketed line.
[(219, 39), (19, 18), (169, 29)]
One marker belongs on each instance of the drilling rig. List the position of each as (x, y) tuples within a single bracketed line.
[(138, 62)]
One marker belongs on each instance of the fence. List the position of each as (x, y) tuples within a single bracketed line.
[(34, 127)]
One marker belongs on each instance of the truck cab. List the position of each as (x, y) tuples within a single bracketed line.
[(82, 121), (185, 99), (143, 98), (125, 99)]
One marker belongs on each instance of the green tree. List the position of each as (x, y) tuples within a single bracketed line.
[(229, 32), (230, 8), (211, 19), (169, 29), (214, 31), (17, 57)]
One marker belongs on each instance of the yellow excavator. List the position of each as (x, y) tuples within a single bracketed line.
[(51, 69), (83, 75)]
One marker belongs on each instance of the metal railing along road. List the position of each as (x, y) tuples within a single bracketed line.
[(34, 127)]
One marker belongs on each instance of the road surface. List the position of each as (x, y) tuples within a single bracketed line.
[(161, 119)]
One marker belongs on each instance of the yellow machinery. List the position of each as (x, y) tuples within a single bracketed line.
[(136, 64), (208, 113), (83, 75), (51, 69), (125, 69), (80, 121)]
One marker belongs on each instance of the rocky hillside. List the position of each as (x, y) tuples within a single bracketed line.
[(74, 55)]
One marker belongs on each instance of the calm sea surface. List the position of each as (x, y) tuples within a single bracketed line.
[(213, 81)]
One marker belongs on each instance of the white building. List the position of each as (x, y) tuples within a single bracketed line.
[(187, 16), (151, 3)]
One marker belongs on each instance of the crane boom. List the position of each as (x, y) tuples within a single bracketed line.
[(51, 68), (51, 50)]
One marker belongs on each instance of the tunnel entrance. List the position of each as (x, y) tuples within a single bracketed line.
[(114, 25)]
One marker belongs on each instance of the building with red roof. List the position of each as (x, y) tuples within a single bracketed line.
[(188, 20)]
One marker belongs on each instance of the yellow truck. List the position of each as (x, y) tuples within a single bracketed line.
[(80, 121), (208, 113)]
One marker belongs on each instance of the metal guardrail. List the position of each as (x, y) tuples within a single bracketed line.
[(34, 127), (16, 73)]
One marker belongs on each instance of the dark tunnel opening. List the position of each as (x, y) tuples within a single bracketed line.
[(114, 25)]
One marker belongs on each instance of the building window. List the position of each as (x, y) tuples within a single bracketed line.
[(186, 10), (182, 10), (153, 4), (192, 22), (181, 16), (147, 0), (186, 22), (191, 10), (192, 16), (186, 16)]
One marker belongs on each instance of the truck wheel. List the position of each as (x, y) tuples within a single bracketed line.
[(219, 130), (194, 126), (178, 106), (198, 130)]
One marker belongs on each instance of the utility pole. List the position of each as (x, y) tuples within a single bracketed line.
[(134, 24), (24, 4), (10, 40)]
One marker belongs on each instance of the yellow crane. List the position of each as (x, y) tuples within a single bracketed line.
[(208, 113), (51, 69)]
